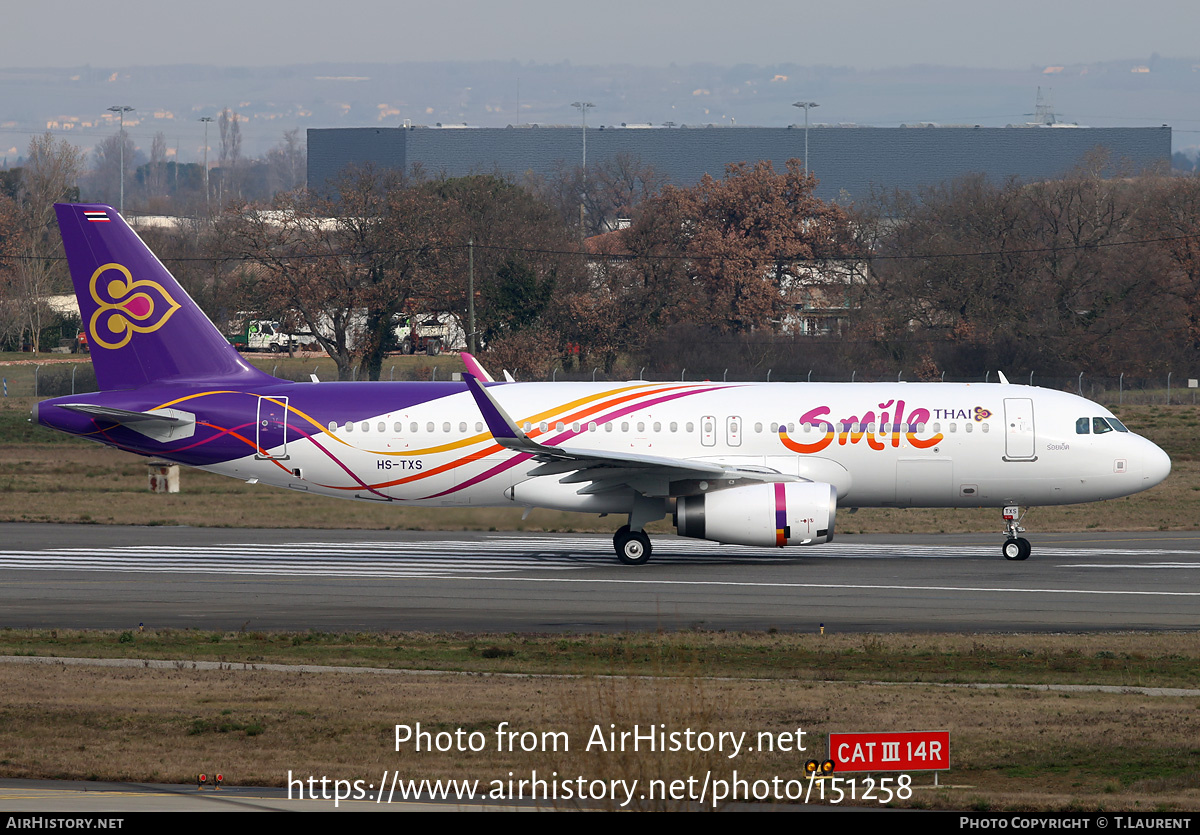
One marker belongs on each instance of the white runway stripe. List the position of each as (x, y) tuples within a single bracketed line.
[(502, 553)]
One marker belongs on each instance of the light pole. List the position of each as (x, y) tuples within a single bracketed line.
[(121, 110), (806, 105), (207, 203), (583, 109)]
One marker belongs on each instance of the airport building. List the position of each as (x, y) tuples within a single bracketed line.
[(848, 161)]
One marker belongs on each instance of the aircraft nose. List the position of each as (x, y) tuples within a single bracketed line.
[(1156, 465)]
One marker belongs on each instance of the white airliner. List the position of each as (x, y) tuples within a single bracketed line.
[(738, 463)]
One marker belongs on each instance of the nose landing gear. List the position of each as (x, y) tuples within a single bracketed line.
[(1015, 547)]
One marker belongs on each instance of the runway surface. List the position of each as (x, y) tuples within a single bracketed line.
[(117, 577)]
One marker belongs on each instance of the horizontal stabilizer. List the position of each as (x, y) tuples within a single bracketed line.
[(160, 424)]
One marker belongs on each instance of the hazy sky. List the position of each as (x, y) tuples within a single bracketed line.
[(859, 33)]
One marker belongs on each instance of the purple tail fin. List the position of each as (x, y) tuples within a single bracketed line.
[(141, 326)]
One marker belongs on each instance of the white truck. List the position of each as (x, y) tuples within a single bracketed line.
[(263, 335), (429, 333)]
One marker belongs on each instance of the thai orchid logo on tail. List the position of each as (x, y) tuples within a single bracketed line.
[(126, 306)]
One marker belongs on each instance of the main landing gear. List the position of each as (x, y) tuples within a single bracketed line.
[(633, 547), (1015, 547), (631, 542)]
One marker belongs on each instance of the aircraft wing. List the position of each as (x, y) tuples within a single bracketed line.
[(603, 470)]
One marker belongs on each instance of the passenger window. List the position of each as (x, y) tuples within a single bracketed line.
[(758, 428), (657, 426), (1081, 426), (366, 427), (382, 426), (429, 427), (412, 427), (462, 427), (333, 426), (624, 426), (478, 426), (399, 427), (608, 426), (954, 427), (674, 426), (560, 426), (575, 426), (970, 427), (691, 427), (592, 426), (985, 428), (1100, 426), (446, 427), (349, 426), (543, 426)]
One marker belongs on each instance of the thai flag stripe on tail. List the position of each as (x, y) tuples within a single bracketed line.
[(97, 217)]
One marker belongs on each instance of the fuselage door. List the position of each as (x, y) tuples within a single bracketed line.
[(708, 430), (1019, 439), (733, 430), (271, 428)]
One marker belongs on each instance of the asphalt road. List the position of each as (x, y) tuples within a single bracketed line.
[(215, 578)]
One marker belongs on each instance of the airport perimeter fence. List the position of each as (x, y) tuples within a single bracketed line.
[(57, 378)]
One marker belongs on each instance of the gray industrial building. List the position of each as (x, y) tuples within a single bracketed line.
[(848, 161)]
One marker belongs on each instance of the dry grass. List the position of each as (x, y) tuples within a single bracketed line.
[(1010, 749), (1161, 659)]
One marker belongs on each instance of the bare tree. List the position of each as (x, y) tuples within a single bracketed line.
[(347, 264), (608, 191), (49, 175), (156, 172), (288, 163), (12, 245), (104, 181), (231, 153)]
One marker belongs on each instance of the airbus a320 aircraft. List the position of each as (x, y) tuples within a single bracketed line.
[(739, 463)]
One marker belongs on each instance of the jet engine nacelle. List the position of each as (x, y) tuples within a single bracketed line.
[(786, 513)]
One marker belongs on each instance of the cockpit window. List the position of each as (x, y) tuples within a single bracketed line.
[(1100, 426), (1082, 426), (1117, 425)]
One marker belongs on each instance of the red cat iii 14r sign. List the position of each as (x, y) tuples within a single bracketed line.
[(908, 751)]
